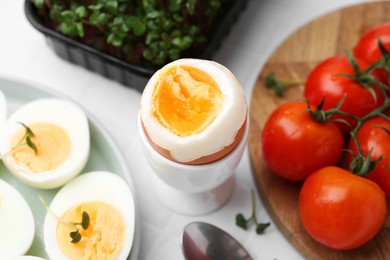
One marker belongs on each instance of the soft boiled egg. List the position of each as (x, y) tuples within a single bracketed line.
[(193, 111), (108, 201), (16, 222), (3, 109), (61, 137)]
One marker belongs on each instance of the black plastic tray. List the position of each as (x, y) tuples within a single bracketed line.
[(111, 67)]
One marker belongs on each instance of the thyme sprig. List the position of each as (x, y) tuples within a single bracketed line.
[(243, 222), (74, 235)]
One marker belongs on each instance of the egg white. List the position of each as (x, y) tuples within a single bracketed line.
[(17, 226), (3, 109), (93, 186), (26, 257), (66, 115), (219, 134)]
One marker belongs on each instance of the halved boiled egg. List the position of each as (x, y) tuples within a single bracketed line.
[(60, 134), (107, 200), (16, 222), (193, 111)]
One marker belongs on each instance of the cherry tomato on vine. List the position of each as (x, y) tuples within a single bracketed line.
[(341, 210), (326, 81), (294, 144), (367, 47), (375, 134)]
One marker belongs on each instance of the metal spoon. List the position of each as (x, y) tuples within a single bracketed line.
[(204, 241)]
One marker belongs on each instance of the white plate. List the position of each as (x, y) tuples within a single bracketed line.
[(105, 155)]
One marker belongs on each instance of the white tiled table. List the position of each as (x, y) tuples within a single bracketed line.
[(264, 24)]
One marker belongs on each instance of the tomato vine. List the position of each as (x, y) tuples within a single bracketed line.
[(360, 165)]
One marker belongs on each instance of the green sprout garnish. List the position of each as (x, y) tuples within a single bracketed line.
[(26, 139), (271, 82), (74, 235), (242, 222)]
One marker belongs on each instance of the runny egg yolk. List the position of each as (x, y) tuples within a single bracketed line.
[(186, 100), (104, 237), (53, 147)]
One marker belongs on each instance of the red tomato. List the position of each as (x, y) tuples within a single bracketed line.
[(341, 210), (294, 144), (367, 47), (325, 81), (370, 136)]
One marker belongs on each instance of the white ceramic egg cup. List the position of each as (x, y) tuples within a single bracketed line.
[(193, 189)]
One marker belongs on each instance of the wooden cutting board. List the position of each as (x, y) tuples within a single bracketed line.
[(294, 59)]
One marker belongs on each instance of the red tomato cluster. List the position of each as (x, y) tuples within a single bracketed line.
[(304, 141)]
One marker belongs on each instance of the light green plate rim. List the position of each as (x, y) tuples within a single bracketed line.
[(105, 155)]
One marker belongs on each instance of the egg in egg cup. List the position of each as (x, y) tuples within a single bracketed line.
[(193, 124)]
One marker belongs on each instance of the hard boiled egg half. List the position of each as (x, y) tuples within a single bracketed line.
[(193, 111), (60, 134), (16, 223), (107, 200)]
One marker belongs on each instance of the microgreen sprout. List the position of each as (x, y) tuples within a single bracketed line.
[(74, 235), (279, 86), (146, 32), (26, 139), (242, 222)]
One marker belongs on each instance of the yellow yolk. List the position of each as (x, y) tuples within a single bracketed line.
[(53, 147), (186, 100), (104, 237)]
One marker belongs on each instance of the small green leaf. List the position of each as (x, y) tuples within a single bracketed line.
[(151, 37), (186, 42), (241, 221), (115, 39), (68, 15), (69, 29), (154, 14), (137, 25), (85, 220), (147, 54), (80, 29), (99, 18), (270, 80), (76, 236), (111, 6), (174, 54), (81, 11), (96, 7), (261, 227), (29, 132), (174, 5), (182, 43), (31, 144)]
